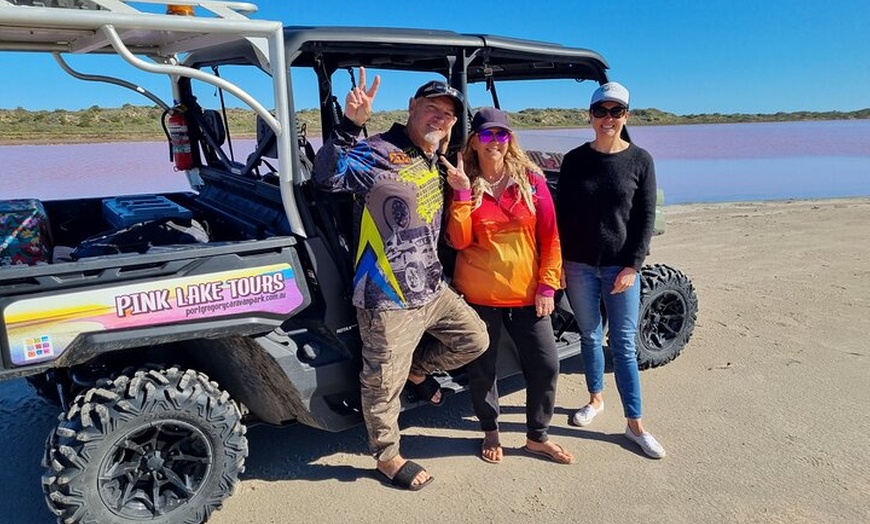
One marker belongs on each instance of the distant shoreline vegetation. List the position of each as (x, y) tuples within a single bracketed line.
[(142, 123)]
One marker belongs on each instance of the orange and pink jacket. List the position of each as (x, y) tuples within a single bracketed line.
[(507, 252)]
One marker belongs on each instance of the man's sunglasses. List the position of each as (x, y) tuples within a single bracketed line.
[(601, 111), (487, 135), (437, 88)]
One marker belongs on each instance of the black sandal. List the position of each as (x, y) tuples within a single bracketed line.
[(404, 478), (426, 390)]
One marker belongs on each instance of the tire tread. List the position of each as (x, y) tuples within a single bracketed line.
[(96, 413), (654, 278)]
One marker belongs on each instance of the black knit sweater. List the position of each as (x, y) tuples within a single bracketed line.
[(605, 206)]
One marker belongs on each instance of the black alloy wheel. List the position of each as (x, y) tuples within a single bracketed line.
[(668, 311), (155, 469), (160, 446)]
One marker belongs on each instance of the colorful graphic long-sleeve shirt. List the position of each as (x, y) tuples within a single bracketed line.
[(396, 264), (507, 252)]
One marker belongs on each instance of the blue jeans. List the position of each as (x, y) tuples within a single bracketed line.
[(586, 286)]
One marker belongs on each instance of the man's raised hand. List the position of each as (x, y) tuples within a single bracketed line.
[(358, 104)]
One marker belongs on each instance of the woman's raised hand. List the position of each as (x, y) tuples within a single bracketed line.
[(358, 104), (456, 176)]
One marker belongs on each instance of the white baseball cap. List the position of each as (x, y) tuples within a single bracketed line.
[(610, 92)]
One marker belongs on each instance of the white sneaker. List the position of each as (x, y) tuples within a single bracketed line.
[(583, 416), (647, 443)]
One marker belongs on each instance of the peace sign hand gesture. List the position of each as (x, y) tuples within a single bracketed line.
[(358, 104), (456, 176)]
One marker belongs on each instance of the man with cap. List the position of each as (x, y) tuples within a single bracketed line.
[(398, 289), (605, 205)]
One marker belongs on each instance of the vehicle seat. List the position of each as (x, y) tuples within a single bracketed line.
[(213, 125), (213, 135), (267, 146), (266, 143)]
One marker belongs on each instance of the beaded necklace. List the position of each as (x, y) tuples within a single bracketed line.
[(497, 181)]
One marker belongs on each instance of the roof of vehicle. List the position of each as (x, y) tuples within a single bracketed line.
[(419, 50), (219, 38)]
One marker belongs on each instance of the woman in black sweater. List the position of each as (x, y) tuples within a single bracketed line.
[(605, 207)]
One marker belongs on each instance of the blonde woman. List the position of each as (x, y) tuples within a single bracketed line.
[(503, 224)]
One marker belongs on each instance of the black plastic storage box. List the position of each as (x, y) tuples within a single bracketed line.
[(125, 211)]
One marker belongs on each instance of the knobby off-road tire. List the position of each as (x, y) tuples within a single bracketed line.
[(668, 310), (160, 446)]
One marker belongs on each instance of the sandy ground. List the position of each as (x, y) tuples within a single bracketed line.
[(764, 416)]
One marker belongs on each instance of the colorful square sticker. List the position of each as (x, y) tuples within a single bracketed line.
[(37, 348)]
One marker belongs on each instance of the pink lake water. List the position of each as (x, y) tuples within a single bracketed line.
[(697, 163)]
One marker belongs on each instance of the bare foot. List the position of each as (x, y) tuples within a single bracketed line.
[(392, 466), (491, 450), (550, 450)]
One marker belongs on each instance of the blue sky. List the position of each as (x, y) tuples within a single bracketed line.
[(685, 57)]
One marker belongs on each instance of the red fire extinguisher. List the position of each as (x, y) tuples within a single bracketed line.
[(179, 139)]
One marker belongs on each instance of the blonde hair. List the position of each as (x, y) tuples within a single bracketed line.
[(516, 164)]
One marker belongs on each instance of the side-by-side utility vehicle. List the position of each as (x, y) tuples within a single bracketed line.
[(164, 324)]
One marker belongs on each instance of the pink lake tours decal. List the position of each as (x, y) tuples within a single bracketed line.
[(42, 328)]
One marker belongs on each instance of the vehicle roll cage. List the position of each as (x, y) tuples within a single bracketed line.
[(460, 58), (187, 46)]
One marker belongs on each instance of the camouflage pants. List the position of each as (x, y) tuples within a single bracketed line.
[(389, 342)]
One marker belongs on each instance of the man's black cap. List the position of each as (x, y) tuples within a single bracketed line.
[(436, 88)]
